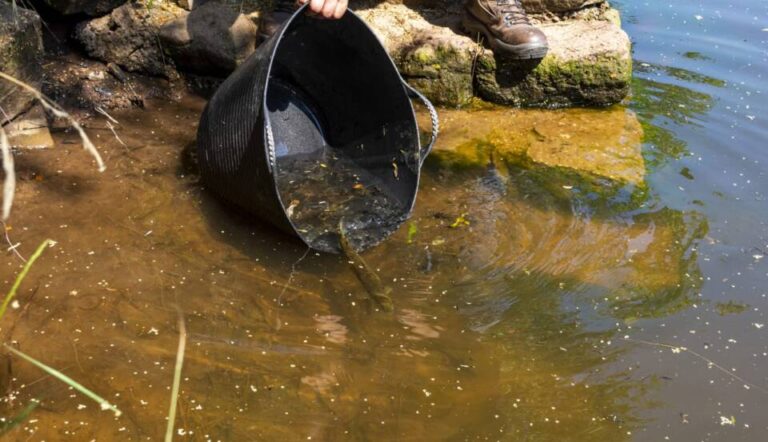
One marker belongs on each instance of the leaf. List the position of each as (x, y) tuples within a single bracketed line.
[(412, 231), (460, 221)]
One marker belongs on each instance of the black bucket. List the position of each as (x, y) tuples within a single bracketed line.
[(317, 128)]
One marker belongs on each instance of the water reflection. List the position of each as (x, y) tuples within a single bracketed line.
[(663, 99)]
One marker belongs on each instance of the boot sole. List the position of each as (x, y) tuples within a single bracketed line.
[(525, 51)]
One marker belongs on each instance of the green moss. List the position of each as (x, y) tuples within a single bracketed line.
[(600, 81)]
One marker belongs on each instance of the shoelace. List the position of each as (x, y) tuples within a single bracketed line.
[(513, 12)]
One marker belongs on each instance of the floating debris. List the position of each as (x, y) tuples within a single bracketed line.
[(460, 221)]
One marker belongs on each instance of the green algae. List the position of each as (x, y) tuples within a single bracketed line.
[(442, 73), (602, 80)]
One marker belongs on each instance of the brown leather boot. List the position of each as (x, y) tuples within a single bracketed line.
[(271, 21), (506, 27)]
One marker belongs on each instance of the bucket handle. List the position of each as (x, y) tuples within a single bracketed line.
[(414, 94)]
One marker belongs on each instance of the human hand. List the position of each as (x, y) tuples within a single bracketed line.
[(327, 8)]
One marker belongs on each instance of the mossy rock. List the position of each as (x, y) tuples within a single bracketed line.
[(430, 54), (21, 51), (589, 61), (589, 64), (441, 71)]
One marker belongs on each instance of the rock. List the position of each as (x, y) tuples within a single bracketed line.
[(30, 130), (539, 9), (434, 59), (93, 8), (83, 85), (187, 4), (588, 64), (557, 6), (21, 50), (212, 39), (604, 144), (129, 37)]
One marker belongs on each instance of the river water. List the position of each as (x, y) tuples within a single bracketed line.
[(618, 295)]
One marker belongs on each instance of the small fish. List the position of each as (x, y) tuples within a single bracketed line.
[(494, 179), (370, 280)]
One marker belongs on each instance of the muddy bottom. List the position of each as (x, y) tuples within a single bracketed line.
[(322, 192)]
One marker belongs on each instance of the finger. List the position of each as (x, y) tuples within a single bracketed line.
[(328, 8), (341, 8), (316, 6)]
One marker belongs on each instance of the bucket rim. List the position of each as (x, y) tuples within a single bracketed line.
[(269, 136)]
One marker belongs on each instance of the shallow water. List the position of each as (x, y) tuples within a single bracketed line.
[(322, 193), (537, 296)]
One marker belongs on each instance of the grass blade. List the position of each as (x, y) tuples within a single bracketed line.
[(176, 378), (12, 293), (10, 424), (103, 403)]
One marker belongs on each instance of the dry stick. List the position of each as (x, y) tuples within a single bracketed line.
[(114, 132), (176, 377), (103, 112), (11, 246), (9, 185), (54, 108), (703, 358)]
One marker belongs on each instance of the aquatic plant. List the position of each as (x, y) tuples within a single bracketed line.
[(9, 297), (103, 403), (176, 378)]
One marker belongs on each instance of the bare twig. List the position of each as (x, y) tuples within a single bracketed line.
[(11, 246), (103, 112), (117, 137), (9, 184)]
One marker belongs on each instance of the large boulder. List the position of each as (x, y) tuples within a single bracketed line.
[(21, 51), (212, 39), (433, 58), (589, 62), (544, 8), (93, 8), (129, 37)]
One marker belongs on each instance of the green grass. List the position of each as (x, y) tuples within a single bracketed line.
[(7, 425), (15, 287), (103, 403), (176, 378)]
